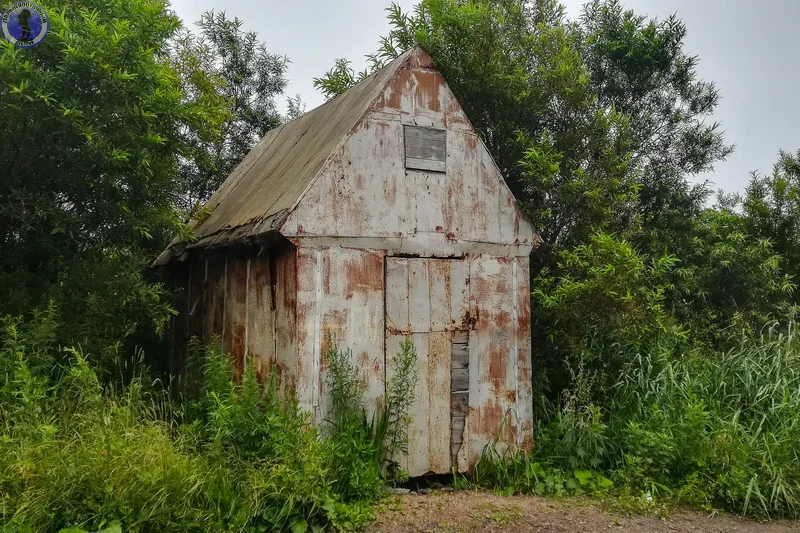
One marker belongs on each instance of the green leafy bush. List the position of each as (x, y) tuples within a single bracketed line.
[(79, 455)]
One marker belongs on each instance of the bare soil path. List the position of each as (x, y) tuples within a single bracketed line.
[(467, 512)]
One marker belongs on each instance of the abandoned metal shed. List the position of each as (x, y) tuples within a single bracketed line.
[(376, 216)]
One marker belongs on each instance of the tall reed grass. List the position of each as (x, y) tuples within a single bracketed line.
[(719, 430)]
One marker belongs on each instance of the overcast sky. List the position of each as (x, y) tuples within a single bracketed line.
[(749, 49)]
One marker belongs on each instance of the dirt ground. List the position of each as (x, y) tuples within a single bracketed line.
[(466, 512)]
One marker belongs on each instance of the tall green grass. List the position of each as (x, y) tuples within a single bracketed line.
[(81, 454), (719, 430)]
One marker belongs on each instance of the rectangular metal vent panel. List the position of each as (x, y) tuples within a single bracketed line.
[(426, 148)]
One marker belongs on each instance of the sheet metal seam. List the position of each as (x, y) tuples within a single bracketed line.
[(315, 377)]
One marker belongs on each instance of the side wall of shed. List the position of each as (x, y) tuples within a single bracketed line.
[(248, 302)]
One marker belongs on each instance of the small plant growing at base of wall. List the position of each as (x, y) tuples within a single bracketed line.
[(375, 443)]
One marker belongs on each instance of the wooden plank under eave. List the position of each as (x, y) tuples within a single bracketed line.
[(285, 266), (180, 327), (260, 345), (197, 299), (214, 294), (233, 339)]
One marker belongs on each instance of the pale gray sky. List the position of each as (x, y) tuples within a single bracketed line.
[(749, 49)]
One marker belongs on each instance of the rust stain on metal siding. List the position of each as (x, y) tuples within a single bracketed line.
[(489, 417), (328, 275), (393, 94), (351, 309), (364, 275), (334, 323), (498, 363), (502, 319), (427, 89), (527, 436)]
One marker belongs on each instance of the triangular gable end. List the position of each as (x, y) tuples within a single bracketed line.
[(365, 191)]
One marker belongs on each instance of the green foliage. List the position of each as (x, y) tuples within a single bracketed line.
[(729, 280), (606, 291), (652, 369), (771, 207), (605, 284), (277, 462), (357, 451), (713, 429), (96, 127), (338, 79), (639, 67), (517, 473), (75, 453), (400, 397), (366, 449), (233, 68)]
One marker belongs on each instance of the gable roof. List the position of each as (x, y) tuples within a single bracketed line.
[(273, 176)]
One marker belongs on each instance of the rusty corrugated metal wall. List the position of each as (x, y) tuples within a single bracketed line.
[(430, 300), (340, 292)]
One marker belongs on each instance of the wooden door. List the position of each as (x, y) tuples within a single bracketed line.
[(428, 300)]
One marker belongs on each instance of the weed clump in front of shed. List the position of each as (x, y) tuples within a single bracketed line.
[(230, 455), (374, 444)]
